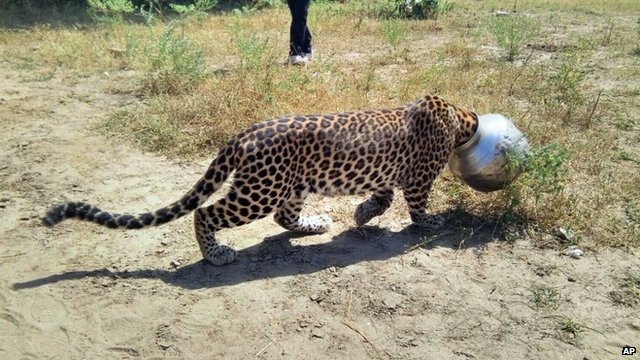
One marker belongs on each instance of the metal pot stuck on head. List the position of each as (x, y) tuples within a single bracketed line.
[(493, 157)]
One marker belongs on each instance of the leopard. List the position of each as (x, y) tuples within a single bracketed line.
[(278, 162)]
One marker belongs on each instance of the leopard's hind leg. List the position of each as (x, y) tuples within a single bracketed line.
[(288, 216), (234, 210), (376, 205)]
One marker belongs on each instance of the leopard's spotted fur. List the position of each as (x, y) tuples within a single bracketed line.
[(279, 162)]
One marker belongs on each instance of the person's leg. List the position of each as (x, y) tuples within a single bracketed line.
[(298, 32), (307, 49), (291, 4)]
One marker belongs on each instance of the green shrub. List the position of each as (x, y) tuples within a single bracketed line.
[(109, 10), (393, 32), (256, 5), (175, 64), (422, 9), (545, 171), (538, 188), (252, 49), (512, 33), (565, 87), (265, 4), (197, 10), (257, 63)]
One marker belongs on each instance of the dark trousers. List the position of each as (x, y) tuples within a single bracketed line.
[(299, 35)]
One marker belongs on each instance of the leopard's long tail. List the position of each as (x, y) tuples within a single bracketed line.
[(212, 180)]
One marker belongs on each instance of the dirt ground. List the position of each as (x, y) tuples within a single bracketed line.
[(80, 291)]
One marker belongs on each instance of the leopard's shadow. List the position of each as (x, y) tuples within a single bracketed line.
[(277, 256)]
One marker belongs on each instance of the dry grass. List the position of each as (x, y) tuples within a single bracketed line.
[(543, 296), (628, 291), (574, 85)]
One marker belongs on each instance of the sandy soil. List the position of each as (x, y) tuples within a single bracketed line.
[(80, 291)]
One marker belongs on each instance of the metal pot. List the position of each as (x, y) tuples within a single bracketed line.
[(482, 161)]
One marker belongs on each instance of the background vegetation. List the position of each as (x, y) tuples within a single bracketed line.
[(567, 72)]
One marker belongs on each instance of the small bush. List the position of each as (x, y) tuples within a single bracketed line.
[(543, 296), (545, 171), (256, 5), (567, 98), (257, 64), (393, 32), (571, 327), (175, 64), (422, 9), (253, 50), (197, 10), (539, 187), (512, 33), (109, 10), (265, 4)]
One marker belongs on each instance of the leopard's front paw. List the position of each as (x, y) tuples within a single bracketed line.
[(430, 222), (219, 255)]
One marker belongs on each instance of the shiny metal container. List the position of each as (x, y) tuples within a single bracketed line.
[(482, 161)]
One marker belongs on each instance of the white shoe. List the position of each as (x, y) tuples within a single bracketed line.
[(309, 55), (298, 60)]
